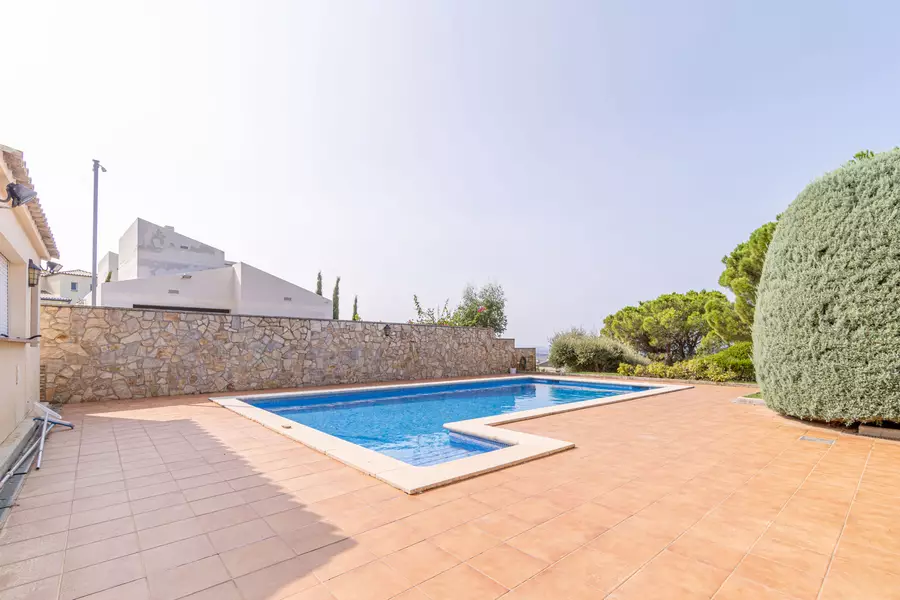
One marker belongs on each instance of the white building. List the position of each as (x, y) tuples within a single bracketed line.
[(25, 239), (156, 267), (65, 287)]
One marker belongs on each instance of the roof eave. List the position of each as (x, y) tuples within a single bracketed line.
[(38, 220)]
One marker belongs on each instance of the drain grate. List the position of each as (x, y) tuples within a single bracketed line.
[(806, 438)]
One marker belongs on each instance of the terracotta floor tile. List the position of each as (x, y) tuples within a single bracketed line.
[(850, 580), (791, 555), (320, 592), (133, 590), (187, 579), (257, 555), (176, 554), (677, 575), (223, 591), (278, 581), (338, 558), (552, 584), (738, 588), (97, 552), (30, 569), (168, 533), (389, 538), (853, 552), (9, 535), (506, 565), (465, 541), (313, 536), (226, 518), (100, 531), (100, 577), (374, 581), (632, 497), (553, 539), (777, 576), (599, 571), (420, 562), (462, 581), (501, 525), (99, 515), (711, 553), (499, 496), (32, 548), (534, 510), (239, 535)]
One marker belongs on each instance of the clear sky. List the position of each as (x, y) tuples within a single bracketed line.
[(585, 155)]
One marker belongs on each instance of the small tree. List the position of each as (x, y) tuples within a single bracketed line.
[(355, 311), (485, 307), (319, 284), (336, 299)]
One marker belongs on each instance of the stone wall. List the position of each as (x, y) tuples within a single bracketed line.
[(109, 353)]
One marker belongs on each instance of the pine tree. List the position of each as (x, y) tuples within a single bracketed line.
[(355, 312), (319, 284), (336, 299)]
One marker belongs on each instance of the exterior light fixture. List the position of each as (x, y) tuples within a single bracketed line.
[(17, 195), (387, 331), (186, 275), (34, 273), (53, 267)]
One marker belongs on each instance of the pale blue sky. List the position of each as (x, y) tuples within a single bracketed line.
[(586, 155)]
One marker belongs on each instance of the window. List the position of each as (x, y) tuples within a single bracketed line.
[(4, 295), (74, 286)]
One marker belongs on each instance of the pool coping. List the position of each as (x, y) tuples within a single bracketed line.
[(521, 447)]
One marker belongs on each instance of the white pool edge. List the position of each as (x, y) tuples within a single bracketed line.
[(522, 447)]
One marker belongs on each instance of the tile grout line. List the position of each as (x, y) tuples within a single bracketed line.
[(846, 518)]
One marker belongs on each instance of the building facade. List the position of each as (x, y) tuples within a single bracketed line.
[(65, 287), (25, 238), (156, 267)]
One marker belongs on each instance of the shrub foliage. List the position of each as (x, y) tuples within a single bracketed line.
[(578, 350), (732, 364), (826, 331)]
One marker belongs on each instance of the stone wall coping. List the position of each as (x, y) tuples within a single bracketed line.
[(227, 315)]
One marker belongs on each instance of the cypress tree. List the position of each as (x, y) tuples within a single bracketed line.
[(355, 312), (336, 299), (319, 284)]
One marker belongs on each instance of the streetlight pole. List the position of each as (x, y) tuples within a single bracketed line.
[(97, 168)]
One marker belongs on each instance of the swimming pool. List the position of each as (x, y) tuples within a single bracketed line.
[(407, 422)]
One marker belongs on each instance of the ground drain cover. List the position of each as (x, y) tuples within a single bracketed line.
[(806, 438)]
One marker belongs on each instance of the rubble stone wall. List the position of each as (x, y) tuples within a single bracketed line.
[(92, 353)]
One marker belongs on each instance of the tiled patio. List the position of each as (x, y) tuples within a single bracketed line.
[(678, 496)]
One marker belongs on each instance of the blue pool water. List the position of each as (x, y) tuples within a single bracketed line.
[(408, 423)]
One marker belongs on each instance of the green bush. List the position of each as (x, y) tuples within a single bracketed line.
[(827, 326), (578, 350), (731, 364)]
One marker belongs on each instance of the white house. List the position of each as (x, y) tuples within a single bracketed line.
[(156, 267), (65, 287), (25, 239)]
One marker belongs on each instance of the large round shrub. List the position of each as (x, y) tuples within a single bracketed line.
[(826, 335), (578, 350)]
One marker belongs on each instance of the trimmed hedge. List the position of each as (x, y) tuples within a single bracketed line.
[(579, 351), (827, 329), (732, 364)]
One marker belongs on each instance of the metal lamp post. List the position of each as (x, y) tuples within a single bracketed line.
[(97, 168)]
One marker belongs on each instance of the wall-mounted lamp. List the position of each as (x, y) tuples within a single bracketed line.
[(186, 275), (387, 331), (34, 273), (17, 195)]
